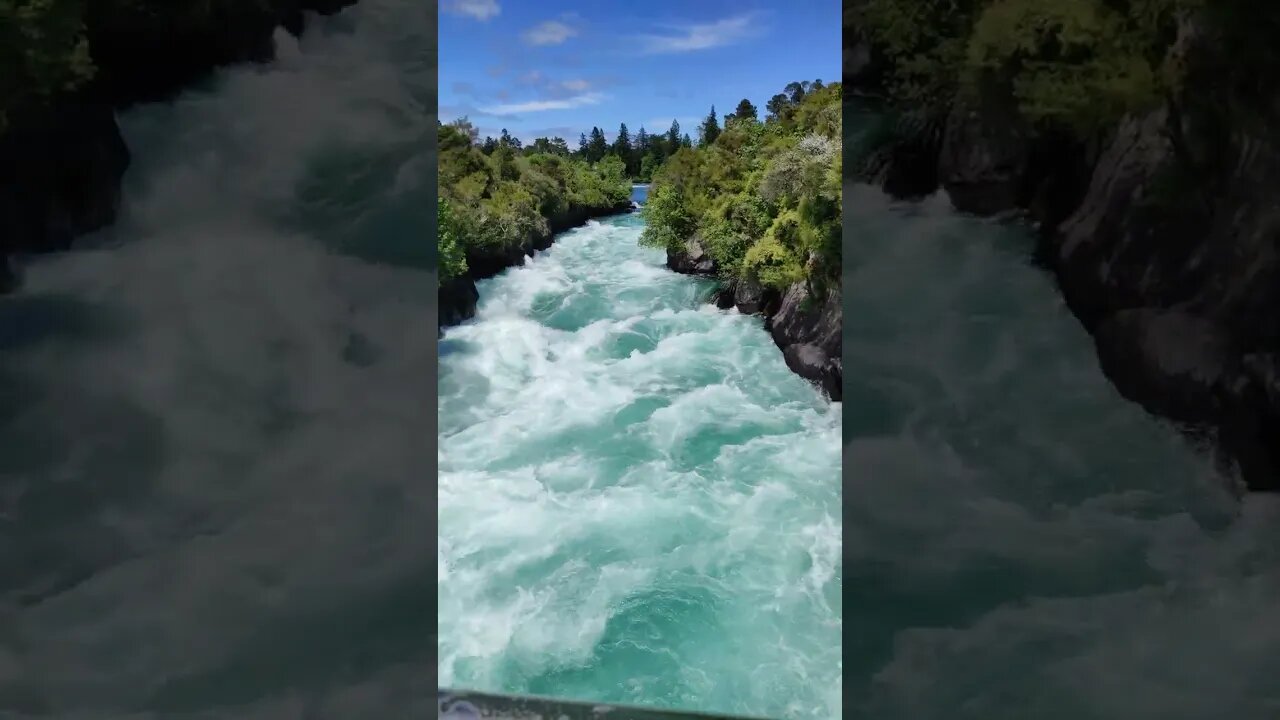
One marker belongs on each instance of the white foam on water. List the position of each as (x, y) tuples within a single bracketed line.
[(636, 472)]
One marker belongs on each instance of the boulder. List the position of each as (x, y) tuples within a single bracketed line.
[(60, 176), (983, 160), (1171, 362), (457, 300), (751, 297), (692, 259), (809, 331), (811, 363)]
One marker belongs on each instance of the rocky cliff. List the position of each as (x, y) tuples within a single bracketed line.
[(61, 164), (807, 329), (1163, 234)]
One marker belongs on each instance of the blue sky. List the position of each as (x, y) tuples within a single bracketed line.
[(558, 67)]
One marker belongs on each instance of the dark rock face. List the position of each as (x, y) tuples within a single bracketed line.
[(692, 259), (1173, 363), (1190, 370), (1164, 237), (811, 363), (809, 331), (751, 297), (60, 175), (143, 56), (458, 298), (61, 167), (983, 160)]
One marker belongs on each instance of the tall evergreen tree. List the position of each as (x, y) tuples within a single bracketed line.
[(673, 138), (642, 142), (710, 129), (597, 146), (686, 141), (489, 145), (622, 148), (744, 110), (582, 144)]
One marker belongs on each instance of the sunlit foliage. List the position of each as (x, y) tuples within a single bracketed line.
[(764, 198)]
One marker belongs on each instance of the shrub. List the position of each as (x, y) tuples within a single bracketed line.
[(764, 198)]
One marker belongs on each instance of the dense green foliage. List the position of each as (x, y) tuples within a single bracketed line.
[(496, 195), (46, 45), (1074, 64), (453, 259), (763, 198), (641, 153), (43, 51)]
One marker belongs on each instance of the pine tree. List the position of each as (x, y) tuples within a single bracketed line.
[(597, 146), (622, 148), (489, 145), (744, 110), (710, 129), (673, 138), (582, 144), (686, 141)]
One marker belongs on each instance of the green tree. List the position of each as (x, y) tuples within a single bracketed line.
[(778, 106), (449, 243), (710, 129), (673, 138), (622, 148), (764, 200), (597, 146), (744, 110)]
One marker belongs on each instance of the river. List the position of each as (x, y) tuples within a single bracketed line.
[(218, 419), (215, 433), (639, 502)]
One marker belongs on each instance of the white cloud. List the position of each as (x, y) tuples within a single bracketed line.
[(478, 9), (544, 105), (701, 36), (576, 85), (551, 32)]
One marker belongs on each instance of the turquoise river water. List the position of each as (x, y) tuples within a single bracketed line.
[(639, 502), (218, 419)]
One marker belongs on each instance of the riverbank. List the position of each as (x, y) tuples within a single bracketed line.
[(673, 492), (808, 330), (1159, 232), (458, 296), (62, 162)]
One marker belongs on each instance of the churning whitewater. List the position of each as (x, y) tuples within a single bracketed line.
[(638, 501), (213, 471)]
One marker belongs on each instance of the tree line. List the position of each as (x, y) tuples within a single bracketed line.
[(496, 198), (761, 198), (644, 152)]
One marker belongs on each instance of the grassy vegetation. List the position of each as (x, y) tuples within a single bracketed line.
[(764, 198), (494, 199)]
